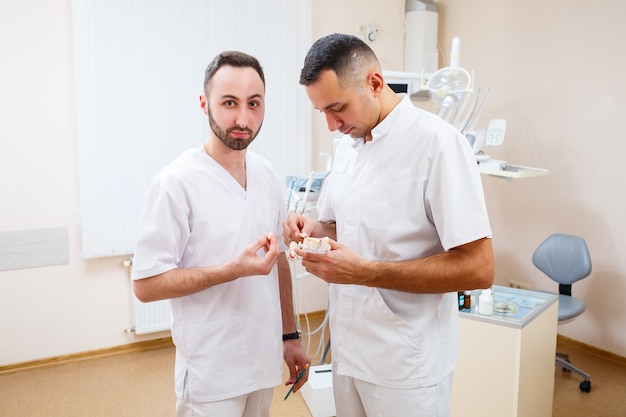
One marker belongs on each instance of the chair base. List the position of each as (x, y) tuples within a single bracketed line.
[(563, 361)]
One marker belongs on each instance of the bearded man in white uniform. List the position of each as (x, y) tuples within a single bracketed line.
[(208, 242), (405, 204)]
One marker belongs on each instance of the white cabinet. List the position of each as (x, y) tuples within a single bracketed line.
[(506, 363)]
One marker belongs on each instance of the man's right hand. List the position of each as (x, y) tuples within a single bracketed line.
[(248, 261)]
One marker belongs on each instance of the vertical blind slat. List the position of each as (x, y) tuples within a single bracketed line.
[(139, 72)]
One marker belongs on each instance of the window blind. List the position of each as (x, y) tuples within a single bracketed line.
[(139, 71)]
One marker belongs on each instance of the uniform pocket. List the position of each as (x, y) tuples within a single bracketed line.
[(388, 349), (214, 348)]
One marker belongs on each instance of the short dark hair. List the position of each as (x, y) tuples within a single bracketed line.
[(341, 53), (234, 59)]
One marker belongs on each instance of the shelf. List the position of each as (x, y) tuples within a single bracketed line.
[(502, 169)]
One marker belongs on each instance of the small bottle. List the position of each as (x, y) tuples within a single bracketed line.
[(485, 302), (467, 300), (461, 297)]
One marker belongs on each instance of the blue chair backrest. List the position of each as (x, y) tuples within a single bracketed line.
[(563, 258)]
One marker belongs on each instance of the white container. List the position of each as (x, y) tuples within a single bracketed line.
[(485, 302), (420, 50), (318, 391)]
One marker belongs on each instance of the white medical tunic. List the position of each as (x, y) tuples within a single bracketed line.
[(227, 337), (413, 191)]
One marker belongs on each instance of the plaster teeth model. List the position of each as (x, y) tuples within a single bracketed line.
[(311, 245), (316, 245)]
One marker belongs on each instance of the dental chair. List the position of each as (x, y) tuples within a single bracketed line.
[(565, 259)]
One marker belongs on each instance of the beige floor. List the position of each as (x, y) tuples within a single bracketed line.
[(608, 386), (141, 384)]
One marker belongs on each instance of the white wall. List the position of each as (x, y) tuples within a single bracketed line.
[(80, 306), (549, 76), (556, 74)]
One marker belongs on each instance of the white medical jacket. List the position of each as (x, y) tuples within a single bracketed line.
[(227, 337), (413, 191)]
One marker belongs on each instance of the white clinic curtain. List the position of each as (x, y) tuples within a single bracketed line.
[(139, 70)]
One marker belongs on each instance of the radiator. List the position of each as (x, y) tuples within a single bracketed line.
[(150, 317)]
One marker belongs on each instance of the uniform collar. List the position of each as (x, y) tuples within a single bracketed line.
[(387, 124)]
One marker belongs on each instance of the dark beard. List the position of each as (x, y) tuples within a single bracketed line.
[(233, 143)]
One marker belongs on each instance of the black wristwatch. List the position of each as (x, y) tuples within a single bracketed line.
[(293, 336)]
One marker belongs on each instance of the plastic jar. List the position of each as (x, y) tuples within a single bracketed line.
[(485, 302)]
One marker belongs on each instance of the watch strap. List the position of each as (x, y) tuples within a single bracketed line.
[(291, 336)]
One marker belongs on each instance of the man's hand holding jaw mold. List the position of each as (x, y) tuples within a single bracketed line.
[(310, 245)]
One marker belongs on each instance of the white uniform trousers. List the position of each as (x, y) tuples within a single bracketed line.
[(357, 398), (254, 404)]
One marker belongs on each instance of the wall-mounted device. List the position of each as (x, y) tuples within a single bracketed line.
[(420, 36), (421, 58), (492, 136), (406, 82)]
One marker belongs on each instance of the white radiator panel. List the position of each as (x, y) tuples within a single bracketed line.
[(152, 317)]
